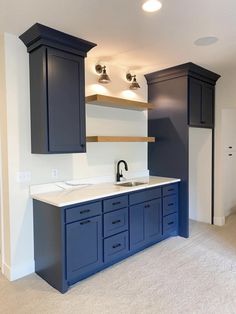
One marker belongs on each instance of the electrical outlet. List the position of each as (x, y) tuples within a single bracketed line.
[(54, 173), (23, 176), (27, 176)]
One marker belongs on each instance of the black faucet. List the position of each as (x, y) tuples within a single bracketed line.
[(119, 173)]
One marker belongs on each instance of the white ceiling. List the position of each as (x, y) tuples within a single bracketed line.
[(128, 37)]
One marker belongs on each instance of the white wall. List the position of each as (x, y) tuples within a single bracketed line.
[(229, 160), (200, 170), (99, 160), (225, 98)]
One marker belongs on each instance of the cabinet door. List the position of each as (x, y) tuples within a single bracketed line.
[(207, 109), (145, 223), (137, 226), (83, 246), (201, 104), (195, 102), (66, 101), (153, 220)]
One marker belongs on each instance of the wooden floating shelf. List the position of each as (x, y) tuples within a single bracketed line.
[(115, 102), (119, 139)]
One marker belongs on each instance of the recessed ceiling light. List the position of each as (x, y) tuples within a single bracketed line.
[(206, 41), (151, 5)]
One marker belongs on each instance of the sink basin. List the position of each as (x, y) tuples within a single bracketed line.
[(131, 183)]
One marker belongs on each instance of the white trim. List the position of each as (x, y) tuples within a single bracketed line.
[(1, 213), (6, 271), (19, 271), (219, 221)]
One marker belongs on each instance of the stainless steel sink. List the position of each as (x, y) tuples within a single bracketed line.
[(131, 183)]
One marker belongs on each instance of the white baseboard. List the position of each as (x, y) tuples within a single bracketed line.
[(219, 221), (6, 271), (19, 271)]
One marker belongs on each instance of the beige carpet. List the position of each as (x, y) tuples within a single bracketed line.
[(196, 275)]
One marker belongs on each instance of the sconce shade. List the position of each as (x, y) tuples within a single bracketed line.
[(103, 78), (134, 85)]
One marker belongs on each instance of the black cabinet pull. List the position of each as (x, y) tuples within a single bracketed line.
[(230, 154), (85, 222), (230, 147), (171, 204), (170, 190), (84, 211), (116, 245), (171, 223), (147, 206), (115, 222), (203, 122), (116, 203)]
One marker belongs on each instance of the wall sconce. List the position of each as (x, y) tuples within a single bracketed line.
[(132, 78), (104, 78)]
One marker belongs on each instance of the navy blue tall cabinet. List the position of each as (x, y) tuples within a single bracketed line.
[(183, 96)]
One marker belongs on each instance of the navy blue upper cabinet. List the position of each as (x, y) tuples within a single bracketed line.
[(201, 104), (57, 90)]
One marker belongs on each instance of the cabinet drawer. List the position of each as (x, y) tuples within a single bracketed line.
[(115, 203), (83, 211), (115, 222), (115, 246), (170, 205), (145, 195), (170, 224), (170, 189)]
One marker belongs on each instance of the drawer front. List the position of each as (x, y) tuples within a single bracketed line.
[(170, 189), (115, 247), (145, 195), (83, 211), (170, 224), (115, 203), (115, 222), (170, 205)]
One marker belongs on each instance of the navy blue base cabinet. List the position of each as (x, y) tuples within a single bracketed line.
[(74, 242)]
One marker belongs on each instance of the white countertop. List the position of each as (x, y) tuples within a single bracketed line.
[(92, 192)]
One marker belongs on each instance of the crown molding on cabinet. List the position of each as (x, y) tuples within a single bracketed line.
[(39, 34), (187, 69)]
